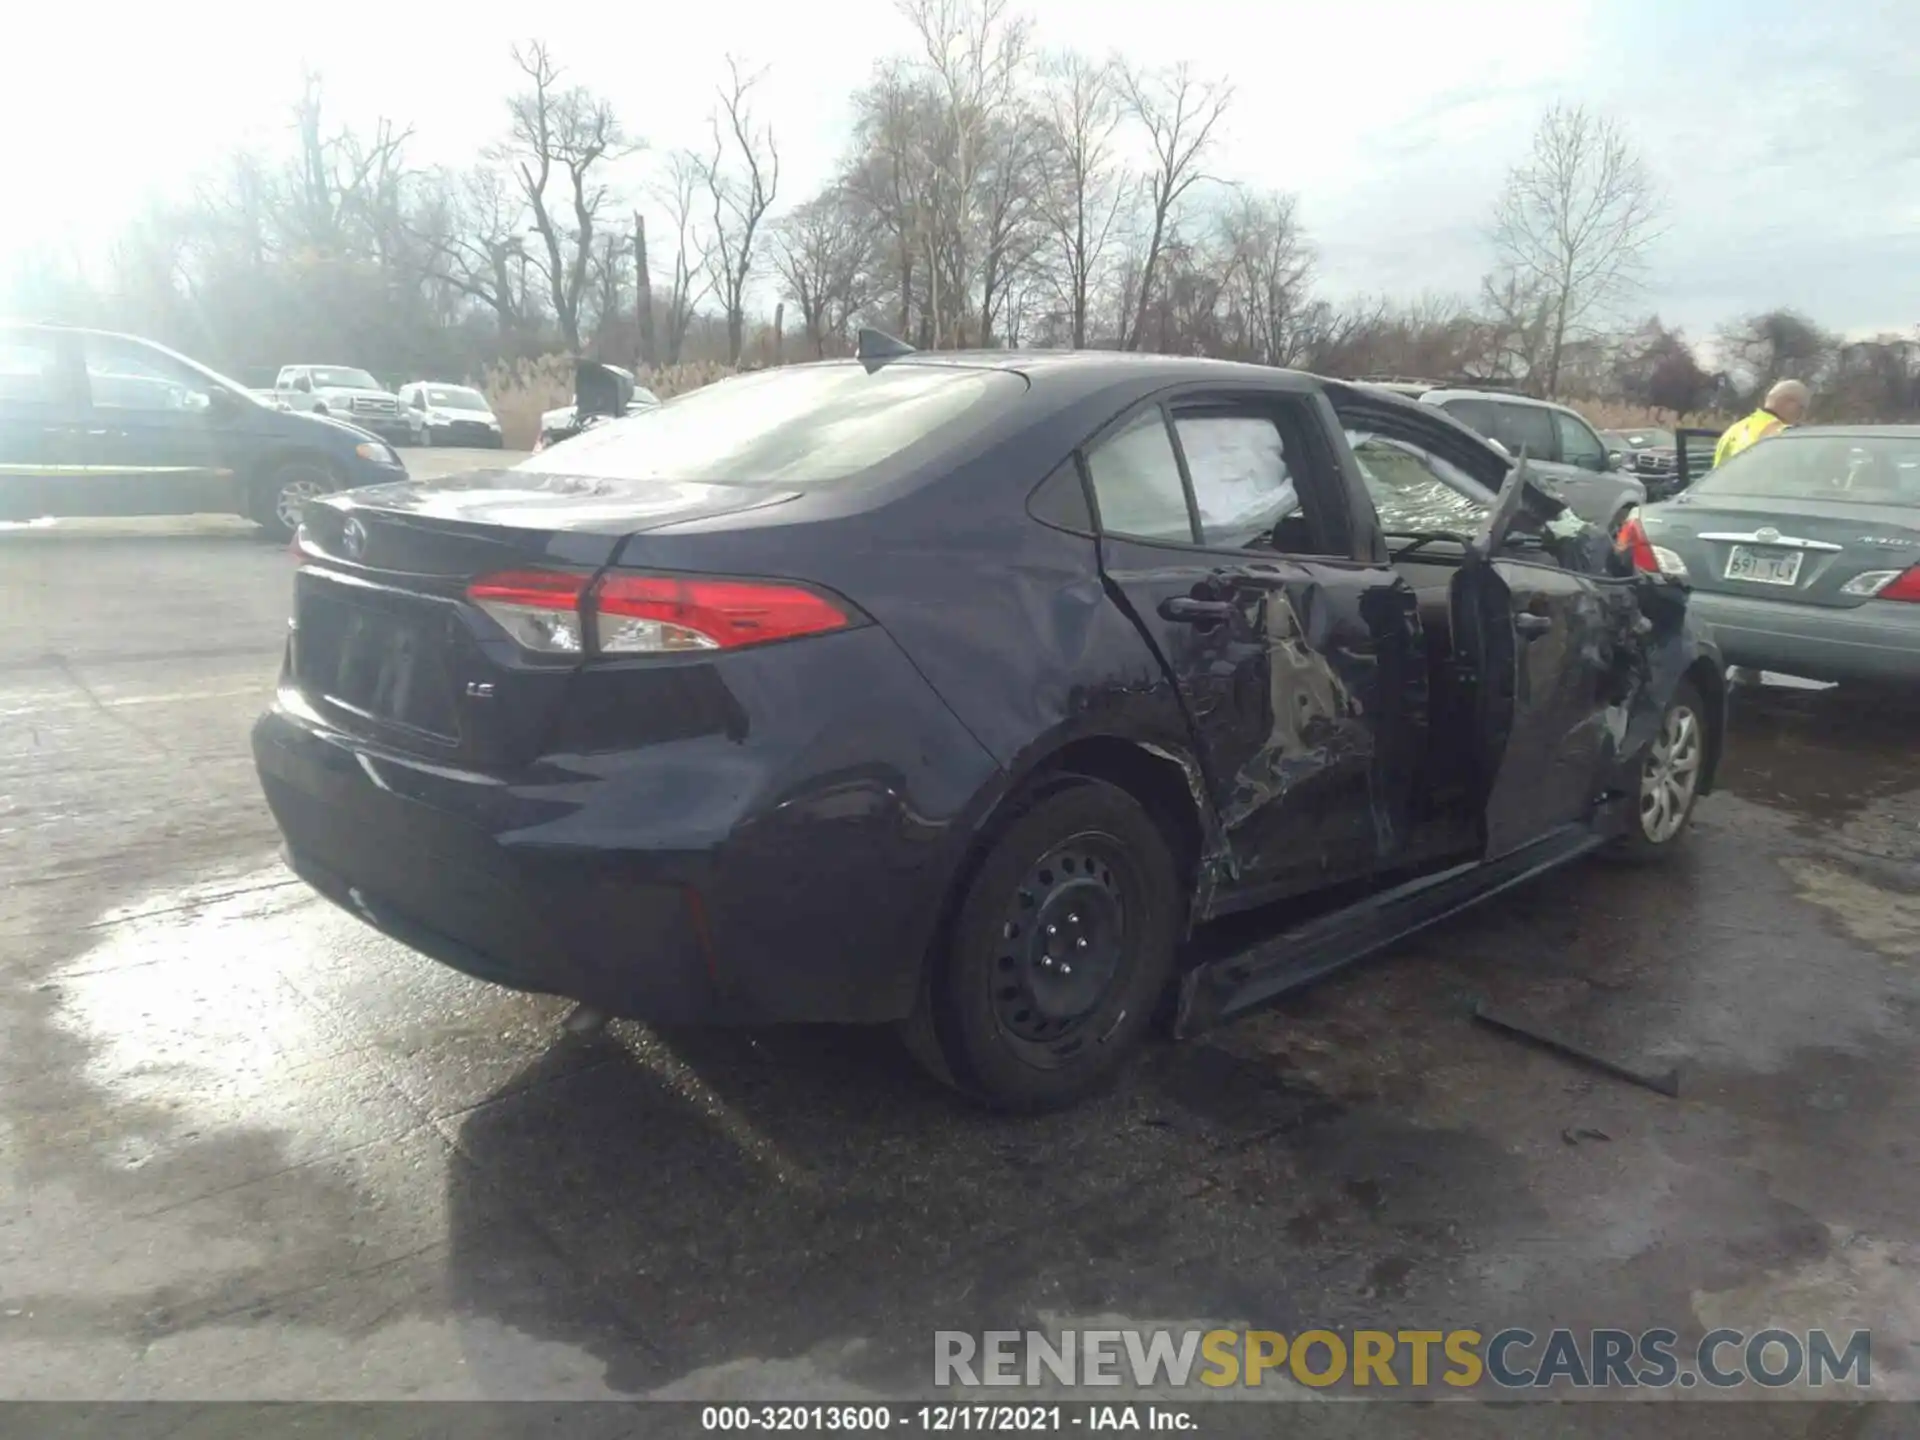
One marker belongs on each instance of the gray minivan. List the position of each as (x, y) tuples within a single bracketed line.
[(1559, 443)]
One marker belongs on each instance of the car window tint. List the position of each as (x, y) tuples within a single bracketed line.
[(29, 369), (122, 376), (1476, 415), (1578, 445), (1414, 492), (1241, 486), (1531, 426), (1136, 482), (802, 425)]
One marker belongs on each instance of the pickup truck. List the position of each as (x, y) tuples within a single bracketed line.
[(960, 692), (346, 394)]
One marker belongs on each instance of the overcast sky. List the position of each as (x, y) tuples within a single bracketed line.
[(1787, 136)]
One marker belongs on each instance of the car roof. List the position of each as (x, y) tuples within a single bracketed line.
[(1445, 392), (1849, 432), (1042, 366)]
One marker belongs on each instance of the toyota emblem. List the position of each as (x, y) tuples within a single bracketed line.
[(1766, 533), (353, 539)]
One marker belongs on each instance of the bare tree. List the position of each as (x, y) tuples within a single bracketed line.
[(565, 134), (1574, 223), (975, 52), (1179, 114), (891, 177), (480, 246), (742, 187), (1268, 266), (822, 252), (1082, 186), (677, 191)]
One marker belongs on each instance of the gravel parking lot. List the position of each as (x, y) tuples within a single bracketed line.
[(249, 1148)]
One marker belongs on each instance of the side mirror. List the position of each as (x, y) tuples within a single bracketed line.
[(1615, 460), (217, 403)]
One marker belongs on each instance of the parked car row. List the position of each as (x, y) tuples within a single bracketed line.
[(423, 412)]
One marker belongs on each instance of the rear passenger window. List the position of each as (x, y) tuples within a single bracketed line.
[(1241, 485), (1136, 482), (1579, 445), (1525, 426), (1476, 415)]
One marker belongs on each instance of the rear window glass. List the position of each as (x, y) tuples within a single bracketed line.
[(1840, 469), (797, 426)]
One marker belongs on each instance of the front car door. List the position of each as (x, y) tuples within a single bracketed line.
[(157, 447), (43, 421), (1553, 653), (1225, 537)]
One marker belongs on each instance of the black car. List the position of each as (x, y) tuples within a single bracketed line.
[(955, 691), (95, 424)]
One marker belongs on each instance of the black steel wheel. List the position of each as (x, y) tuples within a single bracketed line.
[(1063, 944)]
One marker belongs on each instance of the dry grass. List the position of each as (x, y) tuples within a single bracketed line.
[(1604, 415), (521, 390)]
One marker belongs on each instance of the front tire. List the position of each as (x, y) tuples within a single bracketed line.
[(1669, 779), (279, 499), (1063, 943)]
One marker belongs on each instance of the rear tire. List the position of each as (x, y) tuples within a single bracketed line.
[(279, 499), (1669, 780), (1062, 946)]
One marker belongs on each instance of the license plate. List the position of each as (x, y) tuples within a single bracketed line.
[(379, 665), (1765, 567)]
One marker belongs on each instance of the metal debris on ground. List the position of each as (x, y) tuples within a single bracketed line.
[(1665, 1083)]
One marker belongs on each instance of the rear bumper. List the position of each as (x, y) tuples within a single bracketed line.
[(1879, 640), (705, 881)]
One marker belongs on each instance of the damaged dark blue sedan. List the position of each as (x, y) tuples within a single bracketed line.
[(957, 691)]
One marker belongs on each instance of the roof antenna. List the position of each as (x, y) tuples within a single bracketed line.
[(873, 348)]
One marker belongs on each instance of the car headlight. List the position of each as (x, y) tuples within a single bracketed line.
[(435, 417), (376, 452)]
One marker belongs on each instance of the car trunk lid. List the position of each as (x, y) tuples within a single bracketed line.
[(1804, 552), (387, 644)]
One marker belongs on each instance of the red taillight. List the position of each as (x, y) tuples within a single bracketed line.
[(539, 608), (1905, 586), (1633, 540), (650, 614), (646, 613)]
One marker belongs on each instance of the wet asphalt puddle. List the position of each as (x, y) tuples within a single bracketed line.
[(250, 1149)]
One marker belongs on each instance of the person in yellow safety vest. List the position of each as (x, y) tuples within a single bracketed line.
[(1786, 404)]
